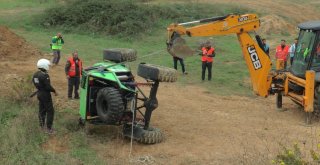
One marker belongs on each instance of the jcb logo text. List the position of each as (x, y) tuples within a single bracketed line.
[(254, 57)]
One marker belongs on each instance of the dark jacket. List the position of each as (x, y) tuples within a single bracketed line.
[(41, 81)]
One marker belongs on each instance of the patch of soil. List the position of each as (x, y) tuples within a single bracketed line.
[(57, 144), (14, 48), (273, 24)]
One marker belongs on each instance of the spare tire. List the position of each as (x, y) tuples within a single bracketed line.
[(119, 54), (109, 105), (157, 73)]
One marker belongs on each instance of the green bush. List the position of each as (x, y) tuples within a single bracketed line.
[(126, 17), (290, 156)]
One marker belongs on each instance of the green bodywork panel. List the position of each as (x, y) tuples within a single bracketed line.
[(103, 70)]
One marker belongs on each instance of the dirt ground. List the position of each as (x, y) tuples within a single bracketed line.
[(200, 127)]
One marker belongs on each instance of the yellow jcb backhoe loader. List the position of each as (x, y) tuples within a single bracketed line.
[(300, 82)]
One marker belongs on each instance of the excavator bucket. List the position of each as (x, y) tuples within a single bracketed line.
[(177, 47)]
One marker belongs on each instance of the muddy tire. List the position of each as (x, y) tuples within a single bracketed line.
[(151, 136), (119, 55), (109, 105), (157, 73)]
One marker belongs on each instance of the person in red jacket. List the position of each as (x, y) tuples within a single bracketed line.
[(282, 52), (73, 72), (207, 59)]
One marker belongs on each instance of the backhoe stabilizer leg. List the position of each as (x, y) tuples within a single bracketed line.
[(309, 91)]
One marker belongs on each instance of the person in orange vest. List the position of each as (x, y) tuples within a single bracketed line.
[(207, 59), (73, 71), (282, 52)]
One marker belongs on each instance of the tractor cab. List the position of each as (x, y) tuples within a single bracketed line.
[(307, 54)]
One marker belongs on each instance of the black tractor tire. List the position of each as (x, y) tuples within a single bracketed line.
[(109, 105), (119, 55), (157, 73), (151, 136)]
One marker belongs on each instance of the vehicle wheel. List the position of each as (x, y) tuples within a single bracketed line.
[(109, 104), (157, 73), (151, 136), (119, 54), (279, 100)]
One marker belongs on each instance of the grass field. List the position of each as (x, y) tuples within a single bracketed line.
[(21, 142)]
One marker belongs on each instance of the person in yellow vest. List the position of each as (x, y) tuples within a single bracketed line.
[(207, 59), (73, 71), (56, 46)]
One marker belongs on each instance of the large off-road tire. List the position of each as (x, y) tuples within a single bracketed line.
[(109, 105), (119, 54), (157, 73), (151, 136)]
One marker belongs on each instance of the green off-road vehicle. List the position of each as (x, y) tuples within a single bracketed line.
[(109, 95)]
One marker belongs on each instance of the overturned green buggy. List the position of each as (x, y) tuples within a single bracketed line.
[(109, 95)]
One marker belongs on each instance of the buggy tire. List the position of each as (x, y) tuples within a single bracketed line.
[(157, 73), (119, 54), (151, 136), (109, 105)]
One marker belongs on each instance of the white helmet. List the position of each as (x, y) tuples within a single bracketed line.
[(43, 64)]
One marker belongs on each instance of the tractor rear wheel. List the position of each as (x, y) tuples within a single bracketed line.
[(119, 54), (109, 105), (157, 73)]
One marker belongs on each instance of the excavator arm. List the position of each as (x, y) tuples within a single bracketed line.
[(258, 62)]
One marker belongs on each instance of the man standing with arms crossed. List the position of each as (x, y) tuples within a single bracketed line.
[(282, 53)]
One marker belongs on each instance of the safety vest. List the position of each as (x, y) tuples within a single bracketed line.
[(58, 44), (205, 54), (282, 53), (72, 69)]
